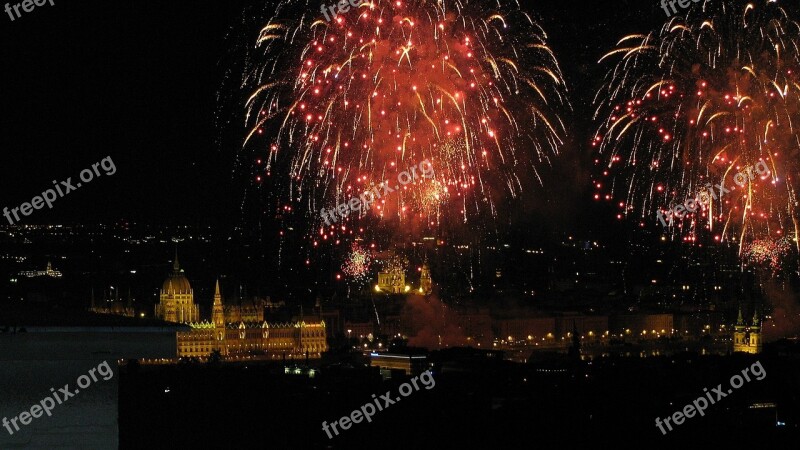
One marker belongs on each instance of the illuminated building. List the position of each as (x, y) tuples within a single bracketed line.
[(251, 338), (392, 281), (387, 362), (535, 327), (48, 272), (425, 280), (112, 306), (642, 325), (359, 330), (176, 300), (747, 339)]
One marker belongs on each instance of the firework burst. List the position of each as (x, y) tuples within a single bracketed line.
[(712, 94), (358, 264), (336, 107), (768, 253)]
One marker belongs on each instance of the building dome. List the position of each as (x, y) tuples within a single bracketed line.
[(177, 282)]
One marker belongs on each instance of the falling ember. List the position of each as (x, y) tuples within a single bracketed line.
[(469, 85), (689, 107)]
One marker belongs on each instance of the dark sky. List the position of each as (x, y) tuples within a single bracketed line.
[(82, 80)]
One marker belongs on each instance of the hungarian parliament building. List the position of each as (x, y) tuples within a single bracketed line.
[(234, 331)]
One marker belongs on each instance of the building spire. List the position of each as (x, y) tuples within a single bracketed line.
[(175, 266), (218, 311), (217, 295), (740, 320)]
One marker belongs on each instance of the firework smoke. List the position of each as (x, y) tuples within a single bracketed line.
[(437, 325), (785, 320)]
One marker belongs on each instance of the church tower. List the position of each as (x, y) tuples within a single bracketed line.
[(755, 334), (739, 334), (218, 313), (218, 319), (747, 339), (425, 280)]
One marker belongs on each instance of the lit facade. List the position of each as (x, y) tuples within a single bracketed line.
[(425, 280), (176, 299), (392, 282), (116, 308), (48, 272), (747, 339), (410, 364), (251, 338)]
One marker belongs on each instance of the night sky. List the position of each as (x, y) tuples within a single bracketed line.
[(151, 84), (138, 81)]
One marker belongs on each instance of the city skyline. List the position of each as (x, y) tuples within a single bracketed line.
[(555, 224)]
